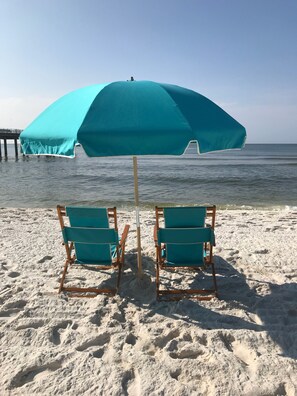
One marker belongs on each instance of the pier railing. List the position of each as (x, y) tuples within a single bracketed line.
[(9, 134)]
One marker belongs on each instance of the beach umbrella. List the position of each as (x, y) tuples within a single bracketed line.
[(132, 118)]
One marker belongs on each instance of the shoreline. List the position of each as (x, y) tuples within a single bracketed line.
[(242, 343), (147, 208)]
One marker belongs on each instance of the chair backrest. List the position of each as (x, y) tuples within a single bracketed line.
[(185, 244), (94, 241)]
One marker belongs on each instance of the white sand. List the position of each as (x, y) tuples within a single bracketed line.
[(243, 344)]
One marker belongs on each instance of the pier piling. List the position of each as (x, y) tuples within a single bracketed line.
[(5, 149), (9, 134)]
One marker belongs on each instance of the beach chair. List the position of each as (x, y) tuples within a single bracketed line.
[(90, 241), (185, 242)]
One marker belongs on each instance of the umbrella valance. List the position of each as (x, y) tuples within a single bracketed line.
[(131, 118)]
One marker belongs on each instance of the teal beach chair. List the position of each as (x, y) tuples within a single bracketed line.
[(90, 241), (185, 241)]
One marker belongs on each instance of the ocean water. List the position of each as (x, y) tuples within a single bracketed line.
[(260, 175)]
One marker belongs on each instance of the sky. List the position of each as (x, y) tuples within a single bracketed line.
[(241, 54)]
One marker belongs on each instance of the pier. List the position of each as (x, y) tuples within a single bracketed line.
[(9, 134)]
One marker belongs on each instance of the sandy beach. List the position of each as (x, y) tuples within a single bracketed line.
[(241, 344)]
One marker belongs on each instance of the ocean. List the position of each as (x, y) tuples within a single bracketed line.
[(259, 176)]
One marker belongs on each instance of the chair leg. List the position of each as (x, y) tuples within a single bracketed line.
[(93, 290), (200, 294), (157, 279), (63, 276), (119, 277), (214, 279)]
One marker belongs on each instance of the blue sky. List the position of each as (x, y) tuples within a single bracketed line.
[(240, 54)]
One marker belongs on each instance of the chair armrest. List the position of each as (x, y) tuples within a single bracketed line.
[(124, 235)]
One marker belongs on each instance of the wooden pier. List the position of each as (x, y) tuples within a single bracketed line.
[(9, 134)]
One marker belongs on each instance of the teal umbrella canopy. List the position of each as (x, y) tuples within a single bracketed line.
[(131, 118)]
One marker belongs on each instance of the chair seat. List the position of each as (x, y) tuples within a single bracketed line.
[(90, 262), (100, 263), (196, 263)]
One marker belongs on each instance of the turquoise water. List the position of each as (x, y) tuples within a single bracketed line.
[(257, 176)]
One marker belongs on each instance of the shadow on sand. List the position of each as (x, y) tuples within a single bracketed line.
[(240, 307)]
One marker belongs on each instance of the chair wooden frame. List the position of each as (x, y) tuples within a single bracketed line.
[(200, 294), (117, 263)]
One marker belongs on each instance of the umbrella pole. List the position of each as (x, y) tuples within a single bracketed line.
[(136, 196)]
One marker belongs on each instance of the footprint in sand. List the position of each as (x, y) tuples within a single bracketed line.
[(131, 383), (3, 266), (187, 353), (30, 324), (13, 274), (227, 340), (44, 259), (262, 251), (162, 341), (131, 339), (242, 351), (175, 373), (202, 340), (12, 309), (8, 313), (96, 318), (245, 354), (98, 353), (233, 255), (60, 332), (34, 373), (276, 228), (119, 317), (100, 340), (173, 339), (19, 304)]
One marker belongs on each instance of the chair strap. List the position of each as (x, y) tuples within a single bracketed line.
[(186, 236)]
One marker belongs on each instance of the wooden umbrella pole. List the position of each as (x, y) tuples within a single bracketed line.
[(136, 196)]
